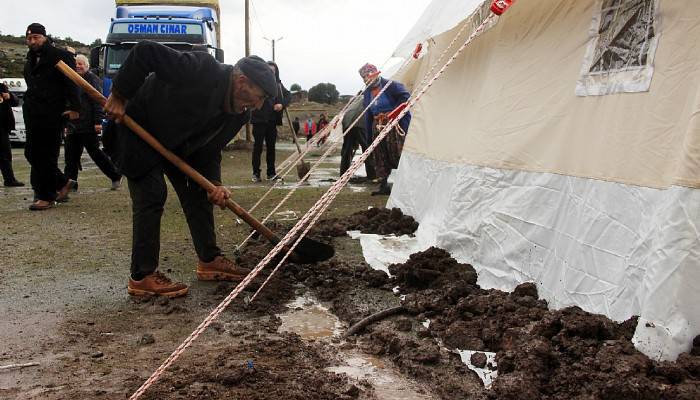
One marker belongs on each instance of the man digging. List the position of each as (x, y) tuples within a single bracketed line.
[(193, 106)]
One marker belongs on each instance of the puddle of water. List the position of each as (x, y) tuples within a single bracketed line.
[(312, 321), (309, 319), (387, 384)]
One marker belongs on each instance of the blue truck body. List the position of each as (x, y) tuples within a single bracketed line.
[(181, 27)]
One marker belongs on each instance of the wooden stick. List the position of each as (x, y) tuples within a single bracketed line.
[(12, 366)]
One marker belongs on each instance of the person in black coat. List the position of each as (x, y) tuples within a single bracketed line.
[(193, 106), (265, 122), (7, 124), (83, 132), (50, 98)]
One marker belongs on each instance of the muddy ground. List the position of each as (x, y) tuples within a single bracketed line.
[(65, 307)]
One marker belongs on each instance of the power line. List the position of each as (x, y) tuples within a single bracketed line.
[(257, 18)]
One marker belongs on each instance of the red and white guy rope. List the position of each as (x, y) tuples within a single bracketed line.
[(300, 156), (316, 164), (287, 168), (325, 201), (315, 213)]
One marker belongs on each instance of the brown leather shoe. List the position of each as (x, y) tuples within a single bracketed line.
[(40, 205), (62, 195), (220, 269), (156, 284)]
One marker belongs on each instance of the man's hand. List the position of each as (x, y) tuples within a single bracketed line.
[(5, 96), (98, 129), (219, 196), (115, 108), (278, 107), (72, 115)]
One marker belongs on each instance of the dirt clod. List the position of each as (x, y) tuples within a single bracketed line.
[(478, 360)]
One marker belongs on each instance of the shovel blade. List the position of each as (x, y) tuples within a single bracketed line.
[(311, 251), (302, 169)]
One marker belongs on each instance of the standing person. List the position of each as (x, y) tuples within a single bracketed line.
[(296, 126), (150, 87), (322, 123), (265, 122), (7, 123), (356, 136), (309, 128), (386, 155), (83, 132), (50, 98)]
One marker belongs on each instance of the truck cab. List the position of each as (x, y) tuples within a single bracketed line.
[(179, 27), (17, 86)]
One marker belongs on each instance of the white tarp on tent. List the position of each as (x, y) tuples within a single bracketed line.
[(593, 198)]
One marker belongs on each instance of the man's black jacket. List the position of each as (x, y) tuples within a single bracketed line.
[(49, 92), (267, 114), (178, 97), (91, 112), (7, 118)]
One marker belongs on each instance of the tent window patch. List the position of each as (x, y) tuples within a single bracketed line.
[(620, 53)]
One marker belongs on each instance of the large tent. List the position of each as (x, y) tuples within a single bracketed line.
[(562, 147)]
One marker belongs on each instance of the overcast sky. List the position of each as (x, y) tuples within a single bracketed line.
[(323, 40)]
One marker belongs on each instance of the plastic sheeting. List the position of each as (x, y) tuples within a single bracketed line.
[(381, 251), (620, 53), (610, 248)]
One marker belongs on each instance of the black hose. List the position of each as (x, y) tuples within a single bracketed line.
[(374, 318)]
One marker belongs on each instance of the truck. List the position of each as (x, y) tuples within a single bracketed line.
[(17, 86), (179, 24)]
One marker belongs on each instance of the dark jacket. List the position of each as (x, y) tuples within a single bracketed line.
[(91, 112), (354, 110), (266, 114), (7, 117), (49, 92), (397, 94), (178, 97)]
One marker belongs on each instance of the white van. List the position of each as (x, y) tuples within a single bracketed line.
[(17, 86)]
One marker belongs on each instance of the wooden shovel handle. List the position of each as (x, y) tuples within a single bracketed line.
[(294, 134), (169, 155)]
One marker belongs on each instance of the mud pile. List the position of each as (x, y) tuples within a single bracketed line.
[(541, 354), (381, 221)]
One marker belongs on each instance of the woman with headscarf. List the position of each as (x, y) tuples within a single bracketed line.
[(386, 155)]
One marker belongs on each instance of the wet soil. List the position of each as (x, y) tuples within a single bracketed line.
[(380, 221), (541, 354)]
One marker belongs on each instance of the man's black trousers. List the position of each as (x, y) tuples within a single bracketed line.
[(74, 144), (148, 195), (42, 150), (268, 134), (350, 141), (8, 174)]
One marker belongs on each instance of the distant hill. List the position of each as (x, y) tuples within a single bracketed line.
[(13, 52)]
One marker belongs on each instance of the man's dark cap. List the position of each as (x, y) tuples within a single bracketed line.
[(36, 28), (257, 70)]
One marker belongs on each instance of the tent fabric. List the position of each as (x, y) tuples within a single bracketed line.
[(438, 17), (593, 198), (512, 94)]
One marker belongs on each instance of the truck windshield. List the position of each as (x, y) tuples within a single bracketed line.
[(115, 55)]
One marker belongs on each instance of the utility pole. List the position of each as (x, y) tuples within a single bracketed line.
[(273, 45), (248, 136)]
